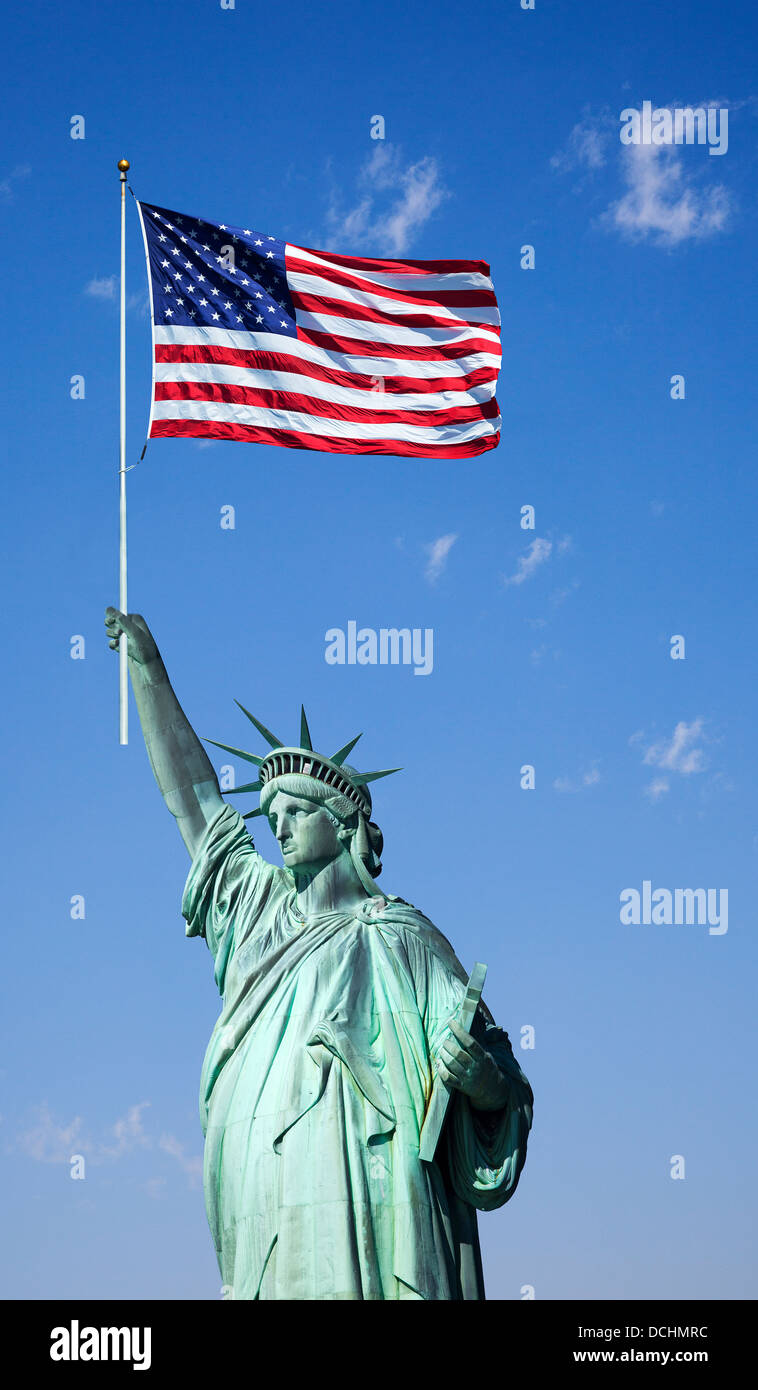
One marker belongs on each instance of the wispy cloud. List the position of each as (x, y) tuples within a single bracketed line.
[(8, 184), (102, 287), (680, 754), (535, 555), (394, 201), (586, 146), (437, 553), (191, 1165), (590, 778), (106, 288), (662, 198), (662, 202), (48, 1140)]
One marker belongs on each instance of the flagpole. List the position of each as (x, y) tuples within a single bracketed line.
[(123, 670)]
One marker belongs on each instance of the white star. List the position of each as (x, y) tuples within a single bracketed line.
[(283, 323), (165, 262), (271, 309), (228, 304), (162, 237), (259, 242), (200, 279), (231, 270), (203, 301), (168, 224), (259, 295), (239, 318), (206, 248), (178, 275), (190, 289), (192, 313), (246, 231), (167, 289), (216, 316), (157, 214), (183, 238), (213, 291), (180, 220), (259, 319), (175, 251), (221, 227), (188, 265), (269, 255), (168, 312), (272, 238), (180, 301)]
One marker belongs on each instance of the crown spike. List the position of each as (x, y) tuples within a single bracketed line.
[(248, 787), (251, 814), (238, 752), (305, 733), (270, 738), (361, 778), (339, 757)]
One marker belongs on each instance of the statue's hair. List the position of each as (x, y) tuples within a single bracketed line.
[(297, 784), (341, 810)]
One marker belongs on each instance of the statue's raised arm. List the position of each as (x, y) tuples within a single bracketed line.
[(182, 768)]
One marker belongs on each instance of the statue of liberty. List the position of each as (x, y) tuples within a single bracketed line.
[(339, 1006)]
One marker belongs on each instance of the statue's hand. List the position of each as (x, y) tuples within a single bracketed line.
[(466, 1066), (140, 643)]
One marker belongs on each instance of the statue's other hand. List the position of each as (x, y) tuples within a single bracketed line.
[(140, 643), (466, 1066)]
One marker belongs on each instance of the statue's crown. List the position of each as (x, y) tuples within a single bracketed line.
[(332, 771)]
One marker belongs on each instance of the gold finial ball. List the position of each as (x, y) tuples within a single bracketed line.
[(123, 165)]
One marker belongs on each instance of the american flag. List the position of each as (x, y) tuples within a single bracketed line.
[(256, 339)]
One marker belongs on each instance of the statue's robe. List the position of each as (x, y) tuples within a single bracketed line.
[(314, 1089)]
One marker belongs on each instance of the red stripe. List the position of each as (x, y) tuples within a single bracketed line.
[(425, 352), (311, 405), (289, 439), (341, 277), (282, 362), (320, 304), (399, 267)]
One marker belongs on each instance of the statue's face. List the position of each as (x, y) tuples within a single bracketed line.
[(306, 833)]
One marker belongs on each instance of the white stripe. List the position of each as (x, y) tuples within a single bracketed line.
[(362, 331), (255, 379), (437, 280), (337, 361), (327, 289), (263, 418)]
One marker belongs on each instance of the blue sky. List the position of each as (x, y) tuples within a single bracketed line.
[(551, 647)]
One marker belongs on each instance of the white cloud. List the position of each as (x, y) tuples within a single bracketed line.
[(127, 1133), (590, 778), (678, 754), (585, 147), (663, 199), (536, 554), (103, 287), (437, 553), (395, 200), (49, 1141), (661, 202), (191, 1165), (657, 788), (8, 184)]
